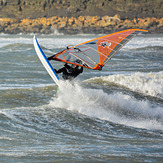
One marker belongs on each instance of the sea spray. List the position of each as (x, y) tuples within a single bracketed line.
[(115, 107)]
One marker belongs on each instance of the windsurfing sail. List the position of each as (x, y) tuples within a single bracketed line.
[(94, 54)]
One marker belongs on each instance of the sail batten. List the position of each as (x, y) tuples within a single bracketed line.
[(94, 54)]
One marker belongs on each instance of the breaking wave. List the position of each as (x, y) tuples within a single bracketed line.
[(115, 107), (150, 84)]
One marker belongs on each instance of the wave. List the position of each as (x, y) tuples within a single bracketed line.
[(15, 39), (75, 108), (20, 87), (115, 107), (74, 111), (150, 84), (145, 48), (144, 42), (62, 41), (16, 47)]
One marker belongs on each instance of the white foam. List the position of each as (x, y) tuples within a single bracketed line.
[(5, 41), (141, 42), (147, 83), (60, 41), (118, 108)]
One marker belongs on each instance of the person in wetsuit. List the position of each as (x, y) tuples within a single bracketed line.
[(68, 72)]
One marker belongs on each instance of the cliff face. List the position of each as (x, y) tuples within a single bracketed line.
[(74, 8), (80, 16)]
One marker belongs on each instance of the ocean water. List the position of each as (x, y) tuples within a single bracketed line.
[(113, 115)]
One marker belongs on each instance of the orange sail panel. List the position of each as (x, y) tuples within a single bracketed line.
[(94, 54)]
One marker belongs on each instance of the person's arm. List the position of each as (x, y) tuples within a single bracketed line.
[(50, 58), (60, 70), (67, 66)]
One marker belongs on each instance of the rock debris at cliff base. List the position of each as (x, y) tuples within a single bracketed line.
[(81, 24)]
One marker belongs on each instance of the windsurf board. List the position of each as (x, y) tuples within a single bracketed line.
[(45, 61)]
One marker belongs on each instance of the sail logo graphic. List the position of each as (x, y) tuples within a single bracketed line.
[(105, 44)]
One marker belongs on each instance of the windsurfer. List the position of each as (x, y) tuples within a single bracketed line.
[(68, 72)]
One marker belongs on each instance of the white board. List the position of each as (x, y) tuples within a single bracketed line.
[(45, 61)]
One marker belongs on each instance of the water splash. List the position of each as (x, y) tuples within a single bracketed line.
[(117, 107)]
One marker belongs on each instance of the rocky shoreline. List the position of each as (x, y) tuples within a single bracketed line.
[(78, 25)]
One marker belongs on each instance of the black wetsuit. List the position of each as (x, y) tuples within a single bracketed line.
[(69, 73)]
